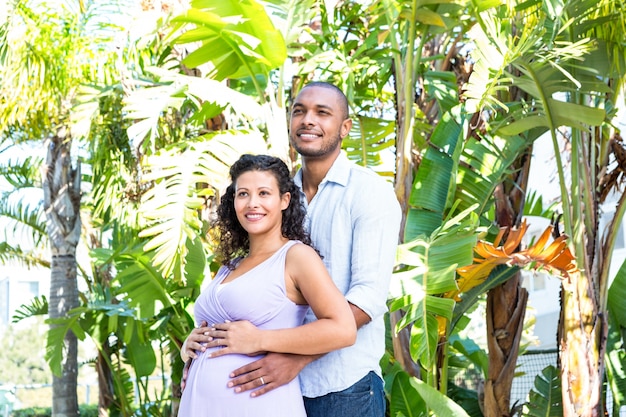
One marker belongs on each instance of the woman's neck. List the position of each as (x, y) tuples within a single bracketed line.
[(261, 246)]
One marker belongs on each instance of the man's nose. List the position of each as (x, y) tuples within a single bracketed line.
[(308, 119)]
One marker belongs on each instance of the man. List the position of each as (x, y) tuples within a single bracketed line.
[(354, 220)]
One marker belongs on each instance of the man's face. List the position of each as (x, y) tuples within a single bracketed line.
[(318, 122)]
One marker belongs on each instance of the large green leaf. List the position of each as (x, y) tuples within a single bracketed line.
[(170, 91), (615, 353), (429, 271), (55, 341), (616, 297), (404, 399), (170, 207), (434, 181), (139, 351), (141, 283), (367, 140), (545, 399), (238, 38), (484, 164), (436, 401)]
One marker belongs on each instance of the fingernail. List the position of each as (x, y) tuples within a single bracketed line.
[(229, 385)]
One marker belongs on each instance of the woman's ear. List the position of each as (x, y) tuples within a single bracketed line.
[(285, 200)]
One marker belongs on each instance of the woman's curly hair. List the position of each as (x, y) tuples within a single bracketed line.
[(233, 239)]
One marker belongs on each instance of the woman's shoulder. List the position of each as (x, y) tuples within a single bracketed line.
[(299, 250)]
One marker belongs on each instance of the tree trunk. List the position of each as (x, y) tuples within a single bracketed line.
[(506, 304), (582, 344), (64, 297), (106, 394), (61, 187)]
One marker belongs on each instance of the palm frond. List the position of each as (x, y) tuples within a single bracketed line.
[(170, 208), (368, 139), (37, 307)]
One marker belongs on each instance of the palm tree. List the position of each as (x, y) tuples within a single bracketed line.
[(47, 55), (39, 66)]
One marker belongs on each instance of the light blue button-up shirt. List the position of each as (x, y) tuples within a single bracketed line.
[(354, 222)]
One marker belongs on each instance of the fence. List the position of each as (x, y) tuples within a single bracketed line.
[(530, 364)]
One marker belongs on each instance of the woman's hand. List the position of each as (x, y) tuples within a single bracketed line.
[(237, 337), (196, 341)]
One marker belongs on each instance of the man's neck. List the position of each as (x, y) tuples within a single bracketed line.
[(313, 172)]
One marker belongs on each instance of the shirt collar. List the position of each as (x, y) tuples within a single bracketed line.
[(338, 173)]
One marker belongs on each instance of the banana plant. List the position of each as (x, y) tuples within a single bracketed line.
[(569, 87)]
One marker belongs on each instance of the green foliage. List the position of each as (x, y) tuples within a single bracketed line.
[(21, 365), (170, 207), (534, 206), (37, 307), (428, 273), (237, 38), (411, 397), (615, 353), (85, 410), (545, 399)]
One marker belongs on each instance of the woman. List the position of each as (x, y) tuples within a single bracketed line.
[(270, 276)]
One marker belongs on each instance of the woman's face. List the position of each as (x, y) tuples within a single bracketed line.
[(258, 202)]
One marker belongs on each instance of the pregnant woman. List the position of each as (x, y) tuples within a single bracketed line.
[(269, 278)]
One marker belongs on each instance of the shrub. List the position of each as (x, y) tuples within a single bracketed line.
[(84, 411)]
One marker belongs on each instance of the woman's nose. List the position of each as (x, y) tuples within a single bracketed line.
[(253, 201)]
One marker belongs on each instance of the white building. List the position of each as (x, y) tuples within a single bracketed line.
[(18, 286)]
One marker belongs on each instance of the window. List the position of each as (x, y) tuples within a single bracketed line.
[(4, 301)]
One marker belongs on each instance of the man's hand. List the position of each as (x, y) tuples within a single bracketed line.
[(269, 372)]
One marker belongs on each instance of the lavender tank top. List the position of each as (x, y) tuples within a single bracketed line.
[(259, 296)]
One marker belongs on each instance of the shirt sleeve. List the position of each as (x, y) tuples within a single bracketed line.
[(375, 233)]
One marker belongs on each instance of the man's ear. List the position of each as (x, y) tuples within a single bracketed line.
[(346, 126)]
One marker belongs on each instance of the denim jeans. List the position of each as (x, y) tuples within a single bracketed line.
[(365, 398)]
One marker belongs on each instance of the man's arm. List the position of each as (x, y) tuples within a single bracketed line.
[(278, 369)]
